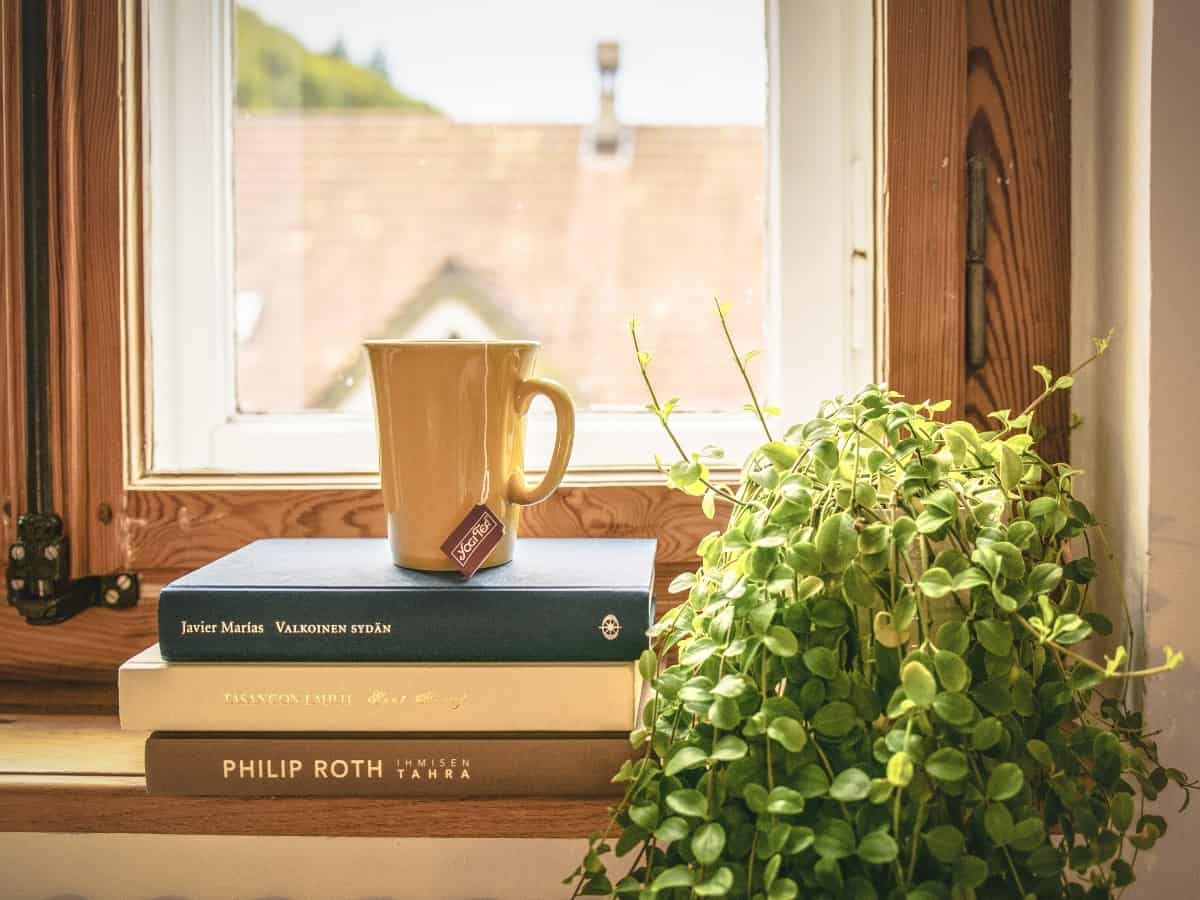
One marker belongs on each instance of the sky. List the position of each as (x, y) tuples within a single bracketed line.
[(683, 62)]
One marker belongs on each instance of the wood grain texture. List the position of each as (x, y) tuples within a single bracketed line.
[(1019, 121), (925, 187), (120, 805), (83, 774), (165, 534), (12, 436), (177, 530)]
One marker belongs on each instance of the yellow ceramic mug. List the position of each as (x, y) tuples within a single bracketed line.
[(447, 412)]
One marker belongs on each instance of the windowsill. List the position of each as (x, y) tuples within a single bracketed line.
[(82, 774)]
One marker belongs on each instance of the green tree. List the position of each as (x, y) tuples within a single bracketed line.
[(276, 71)]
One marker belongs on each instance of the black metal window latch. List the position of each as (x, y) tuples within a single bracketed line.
[(39, 563)]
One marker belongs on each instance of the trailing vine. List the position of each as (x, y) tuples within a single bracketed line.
[(879, 690)]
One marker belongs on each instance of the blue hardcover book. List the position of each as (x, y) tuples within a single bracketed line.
[(323, 600)]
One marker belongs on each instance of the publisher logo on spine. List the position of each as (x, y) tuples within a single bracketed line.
[(610, 627)]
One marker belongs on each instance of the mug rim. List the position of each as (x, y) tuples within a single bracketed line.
[(401, 342)]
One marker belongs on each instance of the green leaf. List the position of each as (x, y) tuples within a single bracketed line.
[(781, 455), (780, 641), (858, 589), (681, 582), (936, 582), (1028, 834), (836, 719), (904, 530), (945, 843), (947, 764), (1040, 751), (783, 889), (995, 635), (835, 839), (954, 636), (784, 800), (674, 877), (788, 732), (944, 501), (729, 748), (954, 709), (708, 842), (724, 713), (821, 661), (837, 542), (952, 671), (731, 686), (685, 758), (811, 781), (708, 504), (1047, 376), (1005, 782), (644, 815), (900, 769), (1120, 810), (697, 651), (719, 885), (877, 848), (998, 823), (648, 665), (850, 785), (804, 559), (970, 872), (672, 828), (1009, 468), (825, 451), (1044, 578), (995, 696), (688, 802), (918, 684), (969, 578), (809, 588), (931, 520)]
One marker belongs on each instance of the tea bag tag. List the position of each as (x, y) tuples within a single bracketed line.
[(476, 535), (473, 539)]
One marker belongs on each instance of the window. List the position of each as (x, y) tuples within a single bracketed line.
[(319, 174)]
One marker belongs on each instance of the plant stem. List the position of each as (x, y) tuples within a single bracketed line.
[(1048, 391), (1083, 660), (742, 368), (717, 491)]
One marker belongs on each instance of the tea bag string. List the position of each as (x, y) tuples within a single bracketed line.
[(487, 476)]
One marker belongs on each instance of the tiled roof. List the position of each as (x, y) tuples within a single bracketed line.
[(343, 218)]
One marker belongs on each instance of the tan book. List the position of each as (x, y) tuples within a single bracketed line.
[(420, 697), (385, 765)]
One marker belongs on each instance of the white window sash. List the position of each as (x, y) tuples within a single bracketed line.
[(820, 310)]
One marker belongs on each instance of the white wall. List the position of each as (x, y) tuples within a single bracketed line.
[(1172, 614), (1136, 265)]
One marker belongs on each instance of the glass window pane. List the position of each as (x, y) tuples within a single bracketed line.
[(530, 169)]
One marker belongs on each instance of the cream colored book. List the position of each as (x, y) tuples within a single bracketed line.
[(573, 696)]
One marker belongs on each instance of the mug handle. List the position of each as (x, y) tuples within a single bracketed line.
[(564, 436)]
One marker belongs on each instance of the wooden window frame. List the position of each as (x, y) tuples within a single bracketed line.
[(161, 528)]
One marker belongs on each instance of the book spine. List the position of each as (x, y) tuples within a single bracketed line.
[(397, 697), (384, 766), (329, 625)]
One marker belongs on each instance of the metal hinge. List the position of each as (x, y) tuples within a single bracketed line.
[(976, 287), (39, 582)]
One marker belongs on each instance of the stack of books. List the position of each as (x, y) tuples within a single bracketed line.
[(317, 668)]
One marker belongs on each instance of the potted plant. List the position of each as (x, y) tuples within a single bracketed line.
[(879, 690)]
